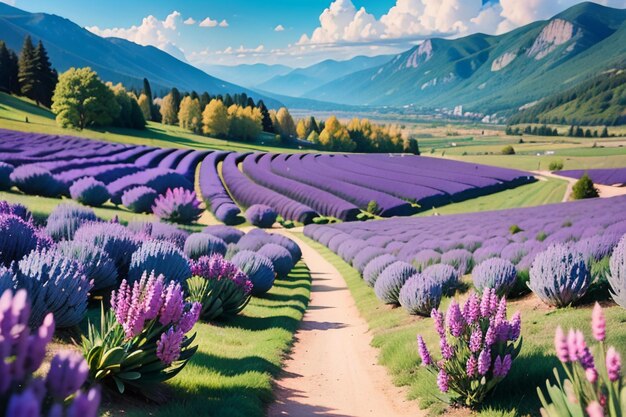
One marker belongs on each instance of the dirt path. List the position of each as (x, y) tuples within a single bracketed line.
[(605, 191), (332, 370)]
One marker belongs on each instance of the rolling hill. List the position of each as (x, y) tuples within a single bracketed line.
[(491, 74), (114, 59)]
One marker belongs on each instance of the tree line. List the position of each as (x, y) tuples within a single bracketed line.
[(544, 130)]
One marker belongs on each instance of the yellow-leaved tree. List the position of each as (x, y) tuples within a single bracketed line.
[(189, 115), (215, 119)]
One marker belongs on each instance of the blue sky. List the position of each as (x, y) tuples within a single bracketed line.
[(296, 32)]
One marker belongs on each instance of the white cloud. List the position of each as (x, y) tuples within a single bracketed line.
[(208, 23), (9, 2), (224, 23), (151, 31), (279, 28), (190, 21)]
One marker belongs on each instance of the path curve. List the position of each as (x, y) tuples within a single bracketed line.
[(604, 191), (332, 369)]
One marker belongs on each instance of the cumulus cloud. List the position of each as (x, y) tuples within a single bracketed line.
[(279, 28), (190, 21), (223, 23), (208, 23), (151, 31)]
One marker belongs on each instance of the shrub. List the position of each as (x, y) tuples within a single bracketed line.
[(498, 274), (222, 288), (584, 188), (290, 245), (420, 294), (514, 229), (337, 240), (261, 216), (361, 260), (391, 280), (376, 266), (22, 352), (142, 340), (116, 240), (508, 150), (425, 258), (228, 214), (18, 238), (477, 346), (252, 243), (258, 268), (203, 244), (555, 166), (160, 257), (446, 275), (559, 276), (177, 206), (226, 233), (350, 248), (18, 210), (139, 199), (55, 284), (89, 191), (98, 266), (7, 279), (594, 386), (461, 259), (35, 180), (66, 219), (617, 276), (231, 251), (280, 257), (160, 231), (5, 176)]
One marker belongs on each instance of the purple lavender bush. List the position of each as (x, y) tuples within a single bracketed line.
[(89, 191), (478, 347), (559, 276), (446, 275), (160, 231), (391, 280), (16, 209), (7, 279), (617, 275), (35, 180), (116, 240), (55, 284), (66, 219), (5, 176), (461, 259), (425, 258), (376, 266), (18, 238), (280, 257), (59, 393), (261, 216), (364, 257), (258, 268), (227, 233), (219, 286), (498, 274), (139, 199), (160, 257), (203, 244), (177, 206), (420, 294), (97, 264), (142, 340), (594, 386), (290, 245)]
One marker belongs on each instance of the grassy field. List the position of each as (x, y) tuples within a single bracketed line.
[(535, 194), (14, 111), (231, 373), (394, 333)]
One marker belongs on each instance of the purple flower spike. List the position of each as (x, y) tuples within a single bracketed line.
[(423, 351), (471, 309), (455, 319), (85, 404), (476, 340), (572, 348), (484, 361), (173, 304), (613, 364), (561, 346), (168, 347), (442, 381), (594, 409), (471, 366), (598, 323), (25, 404), (515, 327)]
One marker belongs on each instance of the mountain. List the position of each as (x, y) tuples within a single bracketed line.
[(248, 75), (114, 59), (599, 101), (299, 81), (489, 74)]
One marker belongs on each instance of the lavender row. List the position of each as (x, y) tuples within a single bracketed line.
[(614, 176), (213, 192)]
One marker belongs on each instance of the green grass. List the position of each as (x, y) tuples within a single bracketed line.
[(535, 194), (231, 373), (14, 111), (536, 163), (394, 333)]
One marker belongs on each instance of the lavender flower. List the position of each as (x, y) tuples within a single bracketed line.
[(613, 364), (442, 381), (476, 340), (423, 351), (168, 346), (471, 309), (598, 323), (173, 304), (455, 320), (484, 361), (471, 366), (438, 317), (177, 206), (68, 372), (561, 345), (594, 409)]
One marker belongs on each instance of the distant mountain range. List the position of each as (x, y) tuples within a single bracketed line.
[(114, 59), (490, 74), (247, 75)]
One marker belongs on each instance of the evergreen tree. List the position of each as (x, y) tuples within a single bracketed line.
[(588, 133), (228, 100), (605, 133), (176, 97), (412, 146), (250, 103), (27, 74), (266, 120), (8, 70), (154, 114), (194, 96), (47, 77), (579, 132), (136, 115), (313, 125), (205, 98), (570, 131), (584, 188)]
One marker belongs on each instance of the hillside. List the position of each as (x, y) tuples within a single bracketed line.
[(114, 59), (299, 81), (490, 74), (599, 101)]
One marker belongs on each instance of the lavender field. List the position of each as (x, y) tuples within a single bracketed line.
[(615, 176)]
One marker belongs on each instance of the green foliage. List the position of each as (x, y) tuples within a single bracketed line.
[(36, 77), (508, 150), (81, 99), (555, 166), (220, 298), (372, 207), (513, 229), (130, 115), (584, 188), (8, 70)]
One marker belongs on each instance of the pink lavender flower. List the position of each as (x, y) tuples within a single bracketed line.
[(153, 298), (423, 351), (497, 367), (68, 372), (613, 364), (438, 318), (594, 409), (561, 345), (217, 268), (476, 340), (442, 381), (591, 374), (446, 350), (491, 334), (471, 309), (502, 366), (173, 304), (572, 348), (515, 327), (484, 361), (471, 367), (598, 323), (485, 303), (168, 346), (455, 319), (190, 317)]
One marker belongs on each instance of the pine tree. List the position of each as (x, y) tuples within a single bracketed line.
[(8, 73), (27, 74), (250, 103), (176, 99), (228, 100), (266, 120), (205, 98), (47, 77), (313, 125), (154, 111), (605, 133)]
